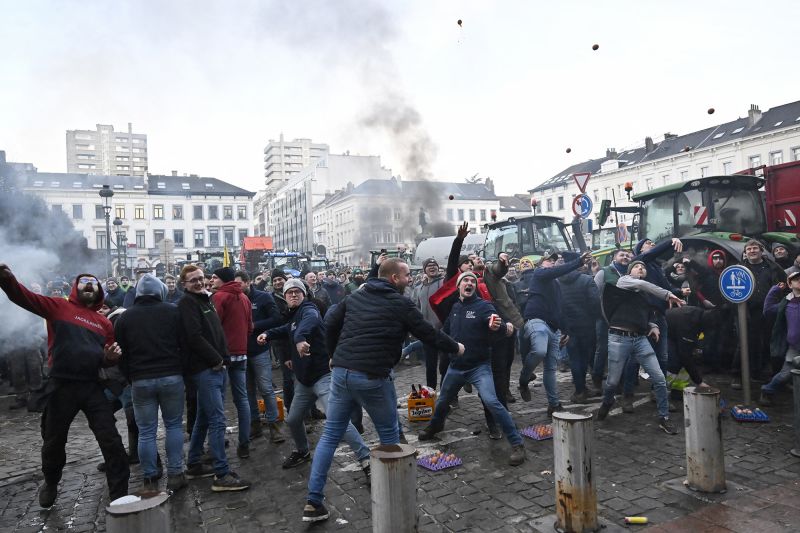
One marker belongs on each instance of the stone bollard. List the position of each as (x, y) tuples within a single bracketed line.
[(796, 385), (394, 488), (705, 456), (152, 515), (576, 499)]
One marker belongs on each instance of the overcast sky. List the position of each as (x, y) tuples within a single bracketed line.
[(503, 95)]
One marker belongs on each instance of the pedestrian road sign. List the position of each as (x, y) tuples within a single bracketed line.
[(582, 205), (736, 284)]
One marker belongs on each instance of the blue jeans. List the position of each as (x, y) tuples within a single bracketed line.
[(580, 347), (237, 373), (210, 419), (350, 389), (620, 350), (148, 395), (304, 397), (783, 377), (542, 343), (661, 349), (481, 378), (261, 367)]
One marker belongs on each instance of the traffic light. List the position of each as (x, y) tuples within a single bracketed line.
[(605, 210)]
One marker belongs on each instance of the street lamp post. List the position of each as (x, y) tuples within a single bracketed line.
[(106, 193), (120, 237)]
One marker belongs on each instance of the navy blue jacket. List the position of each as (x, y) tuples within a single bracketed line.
[(335, 290), (265, 316), (305, 324), (468, 323), (581, 303), (544, 293), (366, 331)]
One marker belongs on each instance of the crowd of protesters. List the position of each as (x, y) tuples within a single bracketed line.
[(177, 345)]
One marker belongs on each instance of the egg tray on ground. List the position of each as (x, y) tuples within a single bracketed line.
[(757, 415), (539, 432), (425, 462)]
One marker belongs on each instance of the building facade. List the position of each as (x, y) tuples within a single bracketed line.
[(284, 159), (104, 151), (387, 214), (157, 219), (767, 138)]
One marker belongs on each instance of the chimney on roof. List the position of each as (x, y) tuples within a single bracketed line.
[(489, 184), (130, 127), (192, 175), (648, 145), (669, 135), (611, 153), (174, 172), (753, 116), (2, 157)]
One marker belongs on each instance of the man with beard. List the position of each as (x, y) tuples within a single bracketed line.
[(335, 290), (472, 321), (114, 294), (124, 283), (781, 255), (365, 334), (173, 292), (431, 282), (80, 342), (358, 281), (280, 348)]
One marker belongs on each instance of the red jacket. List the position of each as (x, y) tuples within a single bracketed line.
[(76, 334), (236, 314)]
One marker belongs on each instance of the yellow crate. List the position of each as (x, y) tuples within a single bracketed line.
[(420, 409)]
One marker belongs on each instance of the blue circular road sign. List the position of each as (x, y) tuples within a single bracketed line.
[(582, 205), (736, 284)]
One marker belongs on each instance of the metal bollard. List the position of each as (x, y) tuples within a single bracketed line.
[(576, 498), (394, 488), (148, 514), (705, 456), (796, 385)]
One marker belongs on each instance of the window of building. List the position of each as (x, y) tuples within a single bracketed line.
[(227, 212), (754, 161), (198, 212), (213, 212), (242, 235), (140, 239), (85, 156), (122, 158), (213, 237), (137, 141), (472, 215), (483, 215), (177, 212), (121, 167), (727, 168), (161, 185), (796, 153), (56, 208), (684, 175), (185, 186), (98, 211), (83, 166), (199, 238), (138, 212), (158, 212), (398, 214), (703, 172), (77, 211), (122, 149), (228, 232), (242, 212), (158, 236), (560, 203), (84, 136), (450, 217), (177, 237), (549, 205), (101, 240), (648, 183), (665, 179), (776, 158), (461, 215)]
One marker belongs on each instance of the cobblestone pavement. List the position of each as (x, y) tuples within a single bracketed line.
[(638, 471)]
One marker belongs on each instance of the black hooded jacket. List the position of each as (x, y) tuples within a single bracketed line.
[(366, 331), (201, 335)]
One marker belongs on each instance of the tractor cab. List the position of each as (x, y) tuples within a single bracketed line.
[(528, 236)]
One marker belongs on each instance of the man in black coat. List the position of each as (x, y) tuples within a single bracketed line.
[(365, 334)]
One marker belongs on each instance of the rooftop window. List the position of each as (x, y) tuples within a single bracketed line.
[(38, 183), (97, 185), (161, 185), (737, 130), (778, 123), (77, 184), (55, 184), (119, 186), (209, 185), (185, 186), (138, 186), (718, 135)]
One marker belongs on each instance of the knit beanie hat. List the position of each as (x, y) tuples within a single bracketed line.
[(294, 283), (226, 274), (633, 264), (468, 273), (638, 248), (277, 273)]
